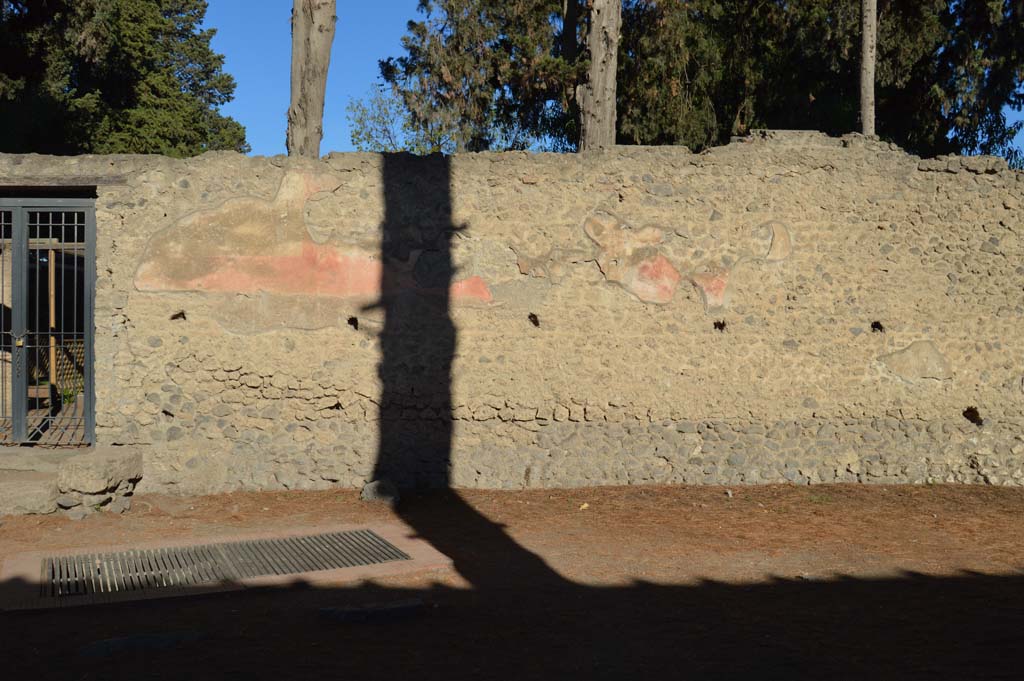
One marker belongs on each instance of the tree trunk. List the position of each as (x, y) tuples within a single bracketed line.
[(597, 96), (570, 19), (570, 49), (312, 35), (869, 21)]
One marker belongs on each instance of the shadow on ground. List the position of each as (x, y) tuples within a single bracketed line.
[(519, 619)]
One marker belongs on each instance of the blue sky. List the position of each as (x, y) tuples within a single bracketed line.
[(255, 37)]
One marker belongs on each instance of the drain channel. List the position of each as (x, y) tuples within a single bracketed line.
[(149, 569)]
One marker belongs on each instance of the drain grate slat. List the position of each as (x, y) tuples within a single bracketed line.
[(352, 544), (167, 567), (178, 567), (390, 551), (70, 577), (293, 557), (302, 552), (126, 572), (136, 575), (280, 560), (145, 571), (315, 551), (300, 560), (248, 564), (95, 576), (328, 549)]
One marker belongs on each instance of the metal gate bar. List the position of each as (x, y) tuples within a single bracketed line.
[(6, 369)]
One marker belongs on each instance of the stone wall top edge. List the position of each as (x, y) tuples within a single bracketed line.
[(17, 169)]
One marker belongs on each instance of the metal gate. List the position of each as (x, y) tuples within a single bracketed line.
[(47, 284)]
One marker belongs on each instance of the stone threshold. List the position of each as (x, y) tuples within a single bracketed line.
[(77, 482)]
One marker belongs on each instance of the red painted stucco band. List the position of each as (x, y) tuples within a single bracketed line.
[(316, 270)]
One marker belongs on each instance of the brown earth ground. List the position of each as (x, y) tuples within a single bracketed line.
[(774, 582)]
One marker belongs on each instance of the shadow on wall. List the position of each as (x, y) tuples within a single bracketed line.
[(418, 338), (519, 619), (418, 344)]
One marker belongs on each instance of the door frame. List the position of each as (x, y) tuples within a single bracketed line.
[(20, 207)]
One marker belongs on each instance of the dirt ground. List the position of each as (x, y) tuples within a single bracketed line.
[(773, 582)]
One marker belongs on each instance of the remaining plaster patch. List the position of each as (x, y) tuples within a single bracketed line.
[(920, 359), (781, 245), (713, 287), (631, 258), (250, 245)]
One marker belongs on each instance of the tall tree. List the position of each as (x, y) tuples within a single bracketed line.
[(112, 76), (869, 32), (500, 74), (312, 36), (669, 68), (597, 95), (482, 74), (979, 73)]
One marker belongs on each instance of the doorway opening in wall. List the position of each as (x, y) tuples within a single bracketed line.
[(47, 285)]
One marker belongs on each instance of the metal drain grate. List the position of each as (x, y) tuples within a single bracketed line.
[(147, 570)]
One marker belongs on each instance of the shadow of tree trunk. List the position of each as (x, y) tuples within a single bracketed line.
[(418, 345)]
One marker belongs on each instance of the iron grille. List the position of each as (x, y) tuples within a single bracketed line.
[(47, 278), (170, 568)]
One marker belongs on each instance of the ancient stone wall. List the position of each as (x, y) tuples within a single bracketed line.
[(789, 307)]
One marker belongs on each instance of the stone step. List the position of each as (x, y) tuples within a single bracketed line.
[(35, 459), (81, 480), (27, 492)]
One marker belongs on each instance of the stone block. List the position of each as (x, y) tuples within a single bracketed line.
[(66, 501), (98, 471), (27, 492), (381, 491)]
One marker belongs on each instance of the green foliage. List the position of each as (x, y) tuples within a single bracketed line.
[(379, 123), (669, 65), (477, 74), (981, 68), (112, 76), (491, 74), (791, 64)]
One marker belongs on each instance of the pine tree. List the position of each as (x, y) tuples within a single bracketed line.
[(112, 76), (481, 74), (487, 74)]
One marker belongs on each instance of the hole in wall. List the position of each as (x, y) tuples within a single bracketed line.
[(876, 327), (974, 416), (354, 323), (719, 325), (167, 413), (533, 319), (180, 314)]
